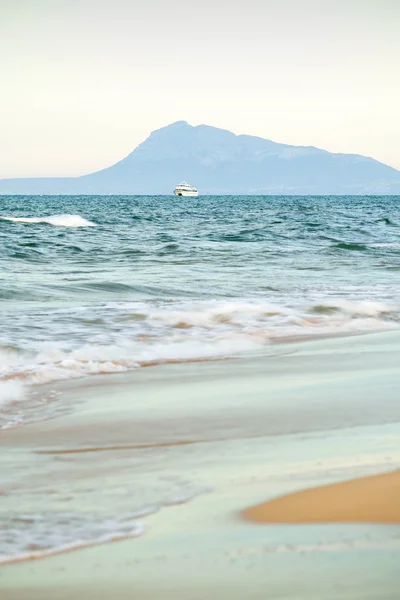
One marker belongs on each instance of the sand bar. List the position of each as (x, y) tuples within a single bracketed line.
[(374, 499)]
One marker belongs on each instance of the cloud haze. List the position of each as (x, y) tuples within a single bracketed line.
[(83, 82)]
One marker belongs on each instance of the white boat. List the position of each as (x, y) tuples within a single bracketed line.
[(184, 189)]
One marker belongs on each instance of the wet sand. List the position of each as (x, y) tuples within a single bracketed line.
[(196, 444), (373, 499)]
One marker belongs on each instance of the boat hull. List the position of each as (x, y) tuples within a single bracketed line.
[(184, 193)]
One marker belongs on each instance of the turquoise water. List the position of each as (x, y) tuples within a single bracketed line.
[(106, 284), (98, 285)]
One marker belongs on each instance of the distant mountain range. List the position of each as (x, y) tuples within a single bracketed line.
[(217, 161)]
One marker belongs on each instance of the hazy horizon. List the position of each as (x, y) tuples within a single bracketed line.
[(85, 82)]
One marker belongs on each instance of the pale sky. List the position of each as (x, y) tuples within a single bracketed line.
[(82, 82)]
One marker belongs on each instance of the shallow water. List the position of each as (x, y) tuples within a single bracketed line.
[(174, 454), (107, 284)]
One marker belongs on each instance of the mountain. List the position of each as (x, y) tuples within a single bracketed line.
[(217, 161)]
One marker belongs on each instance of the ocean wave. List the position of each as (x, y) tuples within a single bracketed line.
[(118, 337), (11, 392), (30, 536), (352, 247), (356, 309), (33, 536), (56, 220), (58, 365)]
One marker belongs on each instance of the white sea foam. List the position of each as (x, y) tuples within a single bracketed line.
[(56, 220), (11, 392), (56, 364), (137, 334), (31, 536)]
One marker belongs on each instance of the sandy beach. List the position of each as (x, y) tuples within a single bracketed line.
[(153, 471), (373, 499)]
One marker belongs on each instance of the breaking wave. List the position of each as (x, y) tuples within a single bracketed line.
[(11, 392), (117, 337), (30, 536), (56, 220)]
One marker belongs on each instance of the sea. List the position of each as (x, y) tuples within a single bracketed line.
[(107, 284), (156, 352)]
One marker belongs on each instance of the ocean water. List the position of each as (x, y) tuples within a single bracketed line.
[(106, 284), (103, 285)]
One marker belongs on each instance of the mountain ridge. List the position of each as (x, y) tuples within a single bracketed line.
[(219, 161)]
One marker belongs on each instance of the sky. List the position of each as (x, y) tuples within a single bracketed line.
[(83, 82)]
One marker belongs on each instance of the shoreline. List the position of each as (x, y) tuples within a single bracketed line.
[(200, 442), (292, 345)]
